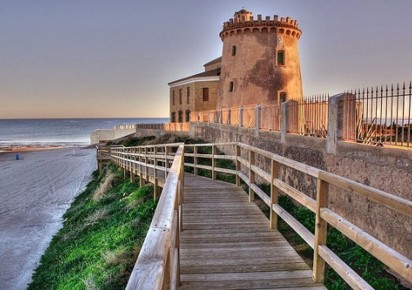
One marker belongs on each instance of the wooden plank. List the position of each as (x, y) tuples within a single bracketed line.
[(303, 232), (394, 260), (263, 196), (241, 268), (248, 276), (296, 194), (391, 201), (283, 160), (343, 270)]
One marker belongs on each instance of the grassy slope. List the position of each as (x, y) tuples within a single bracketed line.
[(100, 239)]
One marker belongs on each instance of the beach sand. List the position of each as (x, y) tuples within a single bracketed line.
[(35, 191)]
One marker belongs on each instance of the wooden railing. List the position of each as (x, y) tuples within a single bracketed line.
[(255, 166), (157, 266)]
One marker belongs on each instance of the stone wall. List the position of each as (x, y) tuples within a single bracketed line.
[(110, 134), (387, 169)]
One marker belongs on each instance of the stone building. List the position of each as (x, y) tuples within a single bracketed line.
[(195, 93), (259, 65), (260, 61)]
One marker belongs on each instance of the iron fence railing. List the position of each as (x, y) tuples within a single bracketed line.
[(270, 118), (382, 115), (373, 116)]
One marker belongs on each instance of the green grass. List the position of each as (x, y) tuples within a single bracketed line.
[(100, 239)]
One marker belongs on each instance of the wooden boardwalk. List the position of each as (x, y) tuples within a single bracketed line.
[(226, 243)]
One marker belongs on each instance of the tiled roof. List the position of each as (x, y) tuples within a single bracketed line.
[(210, 73), (213, 61)]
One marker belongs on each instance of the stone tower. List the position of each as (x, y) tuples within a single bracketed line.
[(260, 61)]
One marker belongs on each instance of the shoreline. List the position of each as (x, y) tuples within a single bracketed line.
[(34, 148), (35, 192)]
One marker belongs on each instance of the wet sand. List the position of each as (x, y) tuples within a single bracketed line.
[(35, 191)]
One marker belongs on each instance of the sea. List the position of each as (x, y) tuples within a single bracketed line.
[(59, 132)]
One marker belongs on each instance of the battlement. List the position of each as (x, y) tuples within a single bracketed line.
[(244, 21)]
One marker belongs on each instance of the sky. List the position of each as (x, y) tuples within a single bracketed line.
[(99, 58)]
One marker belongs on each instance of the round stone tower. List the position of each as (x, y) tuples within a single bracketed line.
[(260, 61)]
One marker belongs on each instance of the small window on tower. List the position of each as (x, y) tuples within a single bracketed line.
[(280, 58), (234, 50), (231, 87), (282, 97)]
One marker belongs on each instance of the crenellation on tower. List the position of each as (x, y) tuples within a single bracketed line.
[(244, 19)]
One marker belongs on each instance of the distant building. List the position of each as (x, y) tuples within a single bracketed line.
[(195, 93), (259, 65)]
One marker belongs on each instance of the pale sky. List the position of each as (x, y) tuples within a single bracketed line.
[(84, 58)]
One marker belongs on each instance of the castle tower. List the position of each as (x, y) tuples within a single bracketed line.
[(260, 61)]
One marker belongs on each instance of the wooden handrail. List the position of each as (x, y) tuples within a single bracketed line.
[(157, 266), (251, 171)]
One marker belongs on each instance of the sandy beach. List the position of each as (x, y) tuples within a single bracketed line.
[(35, 191)]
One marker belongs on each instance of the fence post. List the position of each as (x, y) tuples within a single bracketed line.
[(132, 165), (274, 193), (213, 162), (156, 183), (141, 180), (257, 118), (195, 159), (166, 161), (238, 165), (337, 112), (283, 122), (289, 118), (251, 175), (241, 117), (320, 230)]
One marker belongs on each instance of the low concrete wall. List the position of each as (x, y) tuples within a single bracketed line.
[(110, 134), (384, 168)]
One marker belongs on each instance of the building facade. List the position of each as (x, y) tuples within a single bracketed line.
[(195, 93)]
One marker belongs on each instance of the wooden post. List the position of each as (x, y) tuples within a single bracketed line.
[(181, 190), (274, 193), (320, 231), (155, 185), (241, 117), (141, 180), (195, 159), (213, 162), (238, 165), (166, 161), (145, 165), (251, 175)]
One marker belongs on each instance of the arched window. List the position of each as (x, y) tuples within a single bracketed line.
[(180, 117), (187, 116), (173, 117)]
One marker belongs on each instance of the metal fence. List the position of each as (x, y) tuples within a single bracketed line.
[(374, 116), (382, 115), (270, 117)]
